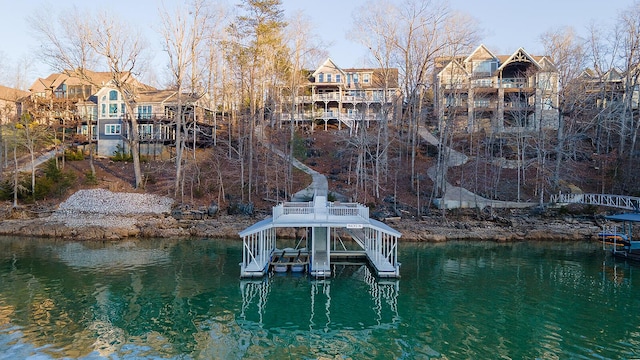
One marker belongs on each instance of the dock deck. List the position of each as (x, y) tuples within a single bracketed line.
[(378, 241)]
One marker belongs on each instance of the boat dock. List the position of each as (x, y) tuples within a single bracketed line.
[(335, 232), (620, 239)]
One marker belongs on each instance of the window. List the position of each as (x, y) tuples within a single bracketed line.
[(338, 78), (321, 77), (329, 78), (484, 67), (544, 81), (144, 112), (104, 110), (113, 95), (112, 129), (355, 78), (146, 131), (84, 130), (547, 104), (113, 110), (366, 78)]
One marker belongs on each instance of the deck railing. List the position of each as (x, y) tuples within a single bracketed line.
[(292, 208), (348, 209), (616, 201), (514, 83), (332, 209)]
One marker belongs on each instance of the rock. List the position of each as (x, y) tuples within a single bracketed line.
[(212, 210), (103, 215)]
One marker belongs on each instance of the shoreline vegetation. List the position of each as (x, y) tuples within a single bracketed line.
[(103, 215)]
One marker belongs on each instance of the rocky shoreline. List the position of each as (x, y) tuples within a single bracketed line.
[(102, 215)]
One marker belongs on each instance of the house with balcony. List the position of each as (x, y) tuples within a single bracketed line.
[(612, 90), (154, 111), (496, 93), (96, 112), (349, 97)]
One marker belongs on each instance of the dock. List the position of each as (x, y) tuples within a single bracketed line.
[(334, 231), (621, 241)]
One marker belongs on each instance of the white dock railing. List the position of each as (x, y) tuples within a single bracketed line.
[(332, 209), (617, 201)]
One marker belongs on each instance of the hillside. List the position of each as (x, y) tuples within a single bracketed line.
[(327, 152)]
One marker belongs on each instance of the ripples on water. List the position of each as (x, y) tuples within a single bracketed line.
[(184, 299)]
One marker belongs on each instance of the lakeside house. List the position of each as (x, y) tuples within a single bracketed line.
[(349, 97), (479, 91), (608, 90), (90, 104), (497, 93), (10, 103)]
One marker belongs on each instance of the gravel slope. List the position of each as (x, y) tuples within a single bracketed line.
[(100, 207)]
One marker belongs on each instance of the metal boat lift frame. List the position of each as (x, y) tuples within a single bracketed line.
[(378, 241), (628, 247)]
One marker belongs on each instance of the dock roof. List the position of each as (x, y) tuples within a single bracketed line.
[(630, 217)]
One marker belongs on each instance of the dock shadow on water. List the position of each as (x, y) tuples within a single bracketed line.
[(184, 299)]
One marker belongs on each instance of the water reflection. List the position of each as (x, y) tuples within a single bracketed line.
[(172, 299), (96, 256), (294, 301)]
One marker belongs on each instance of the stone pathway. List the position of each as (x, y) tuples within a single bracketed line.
[(319, 185), (455, 196)]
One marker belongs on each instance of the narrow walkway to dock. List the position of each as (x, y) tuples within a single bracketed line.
[(319, 185)]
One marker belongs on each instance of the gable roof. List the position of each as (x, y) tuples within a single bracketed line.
[(519, 56), (455, 62), (612, 75), (84, 77), (11, 94), (479, 52), (42, 84), (546, 63), (327, 64)]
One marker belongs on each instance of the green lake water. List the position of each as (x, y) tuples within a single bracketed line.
[(169, 299)]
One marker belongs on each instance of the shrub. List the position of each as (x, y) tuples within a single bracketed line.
[(121, 155), (55, 182), (299, 148), (73, 155), (90, 178), (6, 190)]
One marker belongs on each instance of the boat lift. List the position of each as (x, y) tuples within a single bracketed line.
[(621, 240), (377, 241)]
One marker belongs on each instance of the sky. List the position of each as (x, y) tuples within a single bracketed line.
[(506, 24)]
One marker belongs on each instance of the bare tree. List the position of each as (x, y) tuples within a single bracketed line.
[(629, 22), (74, 46), (410, 35), (256, 50), (121, 47), (304, 49), (567, 51), (31, 135), (383, 52), (185, 32)]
